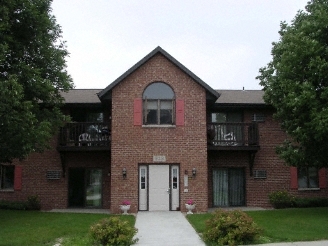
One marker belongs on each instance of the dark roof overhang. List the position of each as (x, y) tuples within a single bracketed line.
[(240, 105)]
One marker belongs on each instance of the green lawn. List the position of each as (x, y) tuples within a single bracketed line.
[(24, 228), (39, 228), (283, 225)]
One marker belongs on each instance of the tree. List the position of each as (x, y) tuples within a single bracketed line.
[(32, 76), (295, 83)]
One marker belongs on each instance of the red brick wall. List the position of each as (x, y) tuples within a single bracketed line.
[(278, 174), (266, 159), (131, 145), (34, 182), (54, 193)]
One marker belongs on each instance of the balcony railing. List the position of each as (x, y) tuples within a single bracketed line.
[(232, 134), (86, 134), (96, 135)]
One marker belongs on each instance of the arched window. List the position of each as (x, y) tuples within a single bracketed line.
[(158, 104)]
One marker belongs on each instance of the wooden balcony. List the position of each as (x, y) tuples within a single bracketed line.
[(233, 136), (86, 136)]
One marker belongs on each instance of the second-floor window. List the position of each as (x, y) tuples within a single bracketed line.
[(226, 117), (158, 104)]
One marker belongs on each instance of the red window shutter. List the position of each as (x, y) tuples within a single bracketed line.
[(137, 110), (179, 112), (18, 178), (322, 178), (293, 178)]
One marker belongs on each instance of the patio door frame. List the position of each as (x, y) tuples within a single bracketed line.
[(229, 189), (83, 171)]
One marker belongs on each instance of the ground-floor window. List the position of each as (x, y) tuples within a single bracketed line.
[(308, 177), (7, 173), (228, 187)]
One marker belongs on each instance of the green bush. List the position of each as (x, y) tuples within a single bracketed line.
[(281, 199), (230, 228), (311, 202), (33, 203), (113, 231), (13, 205)]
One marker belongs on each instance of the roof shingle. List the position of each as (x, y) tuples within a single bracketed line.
[(240, 97), (81, 96), (226, 96)]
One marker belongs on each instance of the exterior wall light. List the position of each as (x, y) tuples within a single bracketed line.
[(124, 173), (194, 172)]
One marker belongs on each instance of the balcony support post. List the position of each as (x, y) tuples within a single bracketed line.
[(251, 159), (63, 162)]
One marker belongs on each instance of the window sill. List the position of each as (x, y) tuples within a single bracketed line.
[(7, 190), (308, 189), (158, 126)]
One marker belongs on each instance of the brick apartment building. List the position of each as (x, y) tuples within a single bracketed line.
[(159, 136)]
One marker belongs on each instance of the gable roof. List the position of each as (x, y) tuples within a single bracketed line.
[(157, 50)]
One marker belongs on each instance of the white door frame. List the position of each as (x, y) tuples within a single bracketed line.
[(169, 172)]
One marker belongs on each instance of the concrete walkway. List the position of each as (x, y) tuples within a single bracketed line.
[(165, 228)]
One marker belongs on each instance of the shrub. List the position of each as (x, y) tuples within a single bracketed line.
[(13, 205), (33, 203), (113, 231), (230, 228), (311, 202), (281, 199)]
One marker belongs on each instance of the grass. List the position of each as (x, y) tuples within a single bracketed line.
[(35, 228), (303, 224), (23, 228), (283, 225)]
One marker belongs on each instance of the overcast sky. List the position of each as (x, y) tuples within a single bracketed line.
[(223, 42)]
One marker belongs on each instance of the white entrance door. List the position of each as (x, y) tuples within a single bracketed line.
[(159, 187)]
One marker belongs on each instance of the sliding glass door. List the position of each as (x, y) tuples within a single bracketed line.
[(228, 187), (85, 187)]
